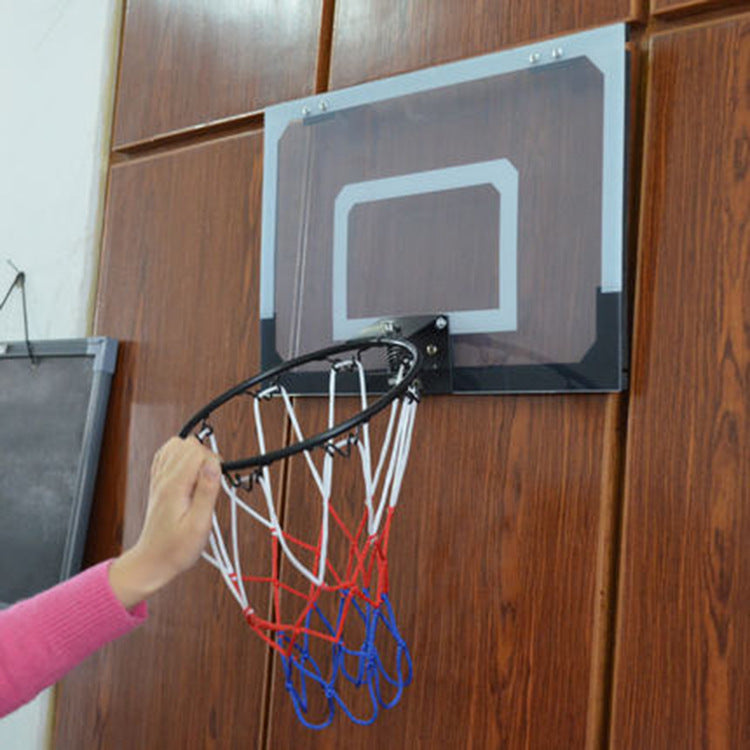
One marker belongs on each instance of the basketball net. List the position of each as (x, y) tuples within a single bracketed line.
[(329, 592)]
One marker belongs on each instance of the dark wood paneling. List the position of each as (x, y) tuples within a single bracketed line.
[(498, 577), (376, 38), (683, 648), (178, 287), (184, 65), (500, 553), (692, 6)]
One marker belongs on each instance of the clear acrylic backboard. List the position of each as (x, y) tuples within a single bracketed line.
[(490, 190)]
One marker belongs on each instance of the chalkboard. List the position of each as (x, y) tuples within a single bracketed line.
[(52, 413)]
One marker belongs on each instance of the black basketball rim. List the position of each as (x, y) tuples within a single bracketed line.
[(355, 345)]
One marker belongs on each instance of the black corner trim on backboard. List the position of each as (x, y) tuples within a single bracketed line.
[(269, 357), (604, 361), (599, 370)]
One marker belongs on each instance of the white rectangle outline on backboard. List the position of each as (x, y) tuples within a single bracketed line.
[(500, 174), (604, 47)]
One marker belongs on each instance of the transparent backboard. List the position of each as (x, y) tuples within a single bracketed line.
[(489, 190)]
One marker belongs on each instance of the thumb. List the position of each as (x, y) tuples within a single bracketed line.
[(206, 491)]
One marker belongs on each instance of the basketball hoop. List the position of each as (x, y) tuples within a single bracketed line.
[(329, 616)]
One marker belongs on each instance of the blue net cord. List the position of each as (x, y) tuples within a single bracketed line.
[(369, 672)]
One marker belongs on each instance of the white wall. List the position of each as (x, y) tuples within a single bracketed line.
[(57, 70), (57, 63)]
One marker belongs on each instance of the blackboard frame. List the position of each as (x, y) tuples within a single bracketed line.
[(102, 352)]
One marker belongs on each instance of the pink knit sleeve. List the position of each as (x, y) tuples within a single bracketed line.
[(44, 637)]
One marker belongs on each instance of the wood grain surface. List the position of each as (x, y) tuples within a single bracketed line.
[(682, 675), (376, 38), (688, 7), (494, 576), (185, 65), (179, 290)]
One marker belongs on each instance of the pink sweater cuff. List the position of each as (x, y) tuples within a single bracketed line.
[(83, 613), (44, 637)]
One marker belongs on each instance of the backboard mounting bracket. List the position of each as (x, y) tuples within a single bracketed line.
[(431, 335)]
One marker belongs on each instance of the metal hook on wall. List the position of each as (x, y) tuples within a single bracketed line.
[(20, 282)]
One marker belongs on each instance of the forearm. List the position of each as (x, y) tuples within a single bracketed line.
[(134, 576), (44, 637)]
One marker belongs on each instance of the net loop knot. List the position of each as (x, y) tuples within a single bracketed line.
[(345, 365), (267, 393), (245, 482), (204, 432), (334, 449)]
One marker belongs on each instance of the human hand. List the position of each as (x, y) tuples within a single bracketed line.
[(185, 480)]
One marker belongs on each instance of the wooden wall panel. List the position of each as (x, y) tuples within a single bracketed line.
[(502, 547), (376, 38), (498, 578), (683, 641), (178, 288), (691, 6), (184, 65)]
